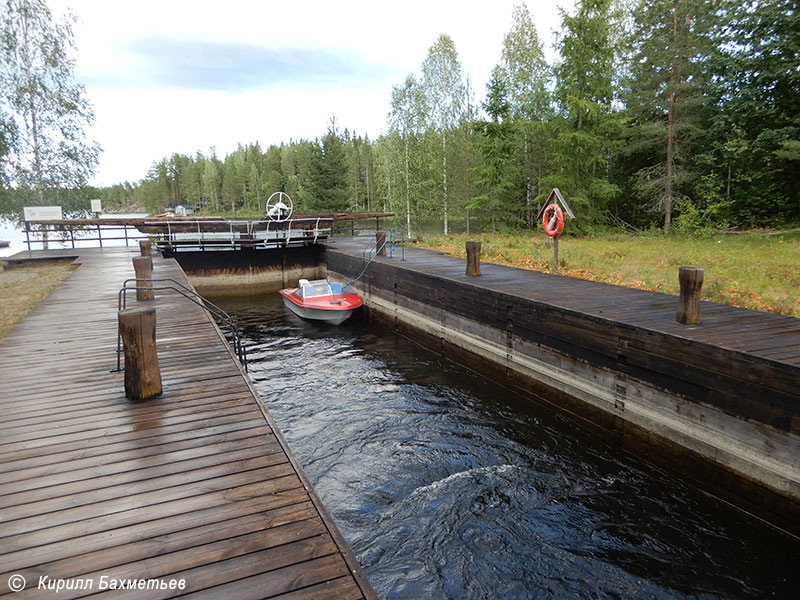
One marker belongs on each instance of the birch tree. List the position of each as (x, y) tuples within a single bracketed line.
[(525, 73), (405, 119), (49, 109), (444, 92), (756, 128)]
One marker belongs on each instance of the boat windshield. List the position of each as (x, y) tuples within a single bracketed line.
[(320, 288)]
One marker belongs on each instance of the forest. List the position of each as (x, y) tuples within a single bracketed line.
[(657, 114)]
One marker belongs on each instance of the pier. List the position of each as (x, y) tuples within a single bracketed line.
[(196, 488), (718, 402)]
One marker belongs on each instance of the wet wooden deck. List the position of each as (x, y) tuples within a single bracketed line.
[(197, 485)]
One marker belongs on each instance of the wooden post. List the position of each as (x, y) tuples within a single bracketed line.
[(473, 258), (143, 266), (137, 326), (691, 280), (146, 248), (555, 254), (380, 243)]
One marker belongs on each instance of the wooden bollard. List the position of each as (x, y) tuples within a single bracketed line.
[(146, 248), (473, 258), (137, 326), (691, 280), (143, 266), (380, 243)]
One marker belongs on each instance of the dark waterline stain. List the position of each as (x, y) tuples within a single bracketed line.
[(446, 485)]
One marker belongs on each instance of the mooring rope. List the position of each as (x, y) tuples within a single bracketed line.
[(390, 237)]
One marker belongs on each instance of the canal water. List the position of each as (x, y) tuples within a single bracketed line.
[(448, 486)]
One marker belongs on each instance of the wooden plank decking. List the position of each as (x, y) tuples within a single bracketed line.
[(196, 485), (763, 335)]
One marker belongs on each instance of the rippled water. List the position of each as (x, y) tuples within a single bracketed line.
[(448, 486)]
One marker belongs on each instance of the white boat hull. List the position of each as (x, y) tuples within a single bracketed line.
[(333, 317)]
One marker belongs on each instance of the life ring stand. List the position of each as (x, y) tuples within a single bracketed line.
[(553, 220)]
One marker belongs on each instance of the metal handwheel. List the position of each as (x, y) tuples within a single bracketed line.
[(279, 207)]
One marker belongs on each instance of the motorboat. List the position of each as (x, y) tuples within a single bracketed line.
[(320, 300)]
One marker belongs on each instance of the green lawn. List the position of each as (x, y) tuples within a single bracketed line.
[(750, 270)]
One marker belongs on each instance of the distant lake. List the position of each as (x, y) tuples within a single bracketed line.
[(10, 232)]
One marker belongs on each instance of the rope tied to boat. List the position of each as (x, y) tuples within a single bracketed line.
[(386, 240)]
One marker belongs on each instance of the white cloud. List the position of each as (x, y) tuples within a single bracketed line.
[(144, 126), (137, 124)]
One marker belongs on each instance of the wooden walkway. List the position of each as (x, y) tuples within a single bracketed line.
[(197, 485)]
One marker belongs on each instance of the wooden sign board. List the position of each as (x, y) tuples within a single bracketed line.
[(42, 213)]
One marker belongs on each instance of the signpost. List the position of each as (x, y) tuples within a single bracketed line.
[(40, 213)]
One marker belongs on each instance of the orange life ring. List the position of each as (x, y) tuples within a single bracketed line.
[(553, 220)]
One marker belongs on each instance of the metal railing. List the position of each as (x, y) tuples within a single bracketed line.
[(59, 235), (390, 243), (188, 293), (187, 234), (190, 234), (371, 252)]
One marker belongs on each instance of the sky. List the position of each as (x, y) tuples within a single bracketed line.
[(187, 75)]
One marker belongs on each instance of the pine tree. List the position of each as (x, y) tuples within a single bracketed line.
[(329, 188), (212, 179), (495, 174), (588, 128), (666, 95)]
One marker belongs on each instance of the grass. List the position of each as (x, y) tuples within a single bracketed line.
[(750, 270), (21, 290)]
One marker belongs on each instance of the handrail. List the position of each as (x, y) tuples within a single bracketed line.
[(70, 235), (243, 222), (369, 251), (238, 233), (190, 294)]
